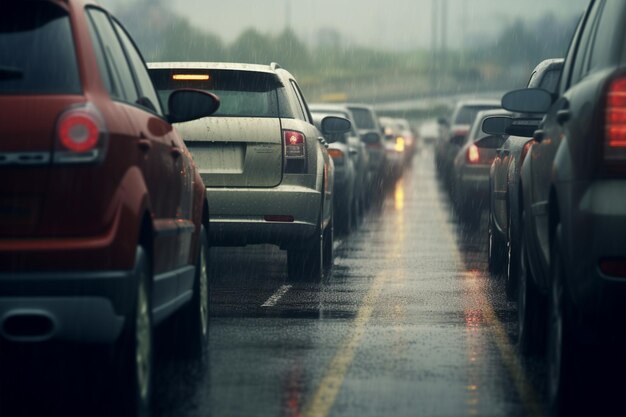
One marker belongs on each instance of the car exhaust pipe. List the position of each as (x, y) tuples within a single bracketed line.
[(28, 326)]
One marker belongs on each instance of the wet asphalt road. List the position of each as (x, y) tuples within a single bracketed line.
[(409, 324)]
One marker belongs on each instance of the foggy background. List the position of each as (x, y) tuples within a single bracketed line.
[(365, 50)]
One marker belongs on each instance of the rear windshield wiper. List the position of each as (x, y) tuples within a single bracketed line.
[(10, 73)]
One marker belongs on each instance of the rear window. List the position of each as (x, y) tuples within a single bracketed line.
[(467, 114), (37, 50), (363, 118), (241, 93)]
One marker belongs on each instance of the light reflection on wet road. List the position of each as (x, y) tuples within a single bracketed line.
[(409, 324)]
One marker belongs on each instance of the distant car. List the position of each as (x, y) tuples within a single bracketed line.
[(504, 233), (103, 226), (412, 140), (455, 133), (572, 274), (429, 132), (346, 188), (268, 174), (358, 153), (366, 121), (469, 177), (395, 148)]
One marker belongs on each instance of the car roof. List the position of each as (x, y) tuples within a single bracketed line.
[(213, 66), (478, 102)]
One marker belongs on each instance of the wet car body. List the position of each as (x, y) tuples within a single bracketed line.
[(469, 177), (266, 167), (358, 153), (366, 121), (454, 136), (504, 232), (347, 187), (395, 149), (102, 233), (573, 188)]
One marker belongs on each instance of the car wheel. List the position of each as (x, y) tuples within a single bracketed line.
[(305, 259), (565, 358), (194, 318), (496, 250), (328, 247), (512, 263), (134, 378), (530, 309), (356, 213)]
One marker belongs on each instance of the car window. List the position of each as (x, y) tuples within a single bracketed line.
[(37, 50), (149, 97), (603, 49), (582, 51), (550, 80), (241, 93), (106, 73), (303, 111), (115, 56), (467, 114), (363, 118)]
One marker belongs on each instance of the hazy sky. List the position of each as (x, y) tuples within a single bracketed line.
[(384, 23)]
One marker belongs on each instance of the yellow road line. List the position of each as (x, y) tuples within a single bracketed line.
[(331, 382), (510, 358)]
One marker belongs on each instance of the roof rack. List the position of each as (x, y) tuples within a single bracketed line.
[(275, 65)]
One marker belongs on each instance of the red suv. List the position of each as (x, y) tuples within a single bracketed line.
[(102, 211)]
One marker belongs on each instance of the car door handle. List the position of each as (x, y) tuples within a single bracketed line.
[(563, 116), (144, 144), (538, 135)]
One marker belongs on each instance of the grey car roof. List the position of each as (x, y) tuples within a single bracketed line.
[(212, 65)]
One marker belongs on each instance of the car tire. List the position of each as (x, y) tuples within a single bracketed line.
[(530, 309), (496, 250), (328, 247), (193, 324), (305, 259), (512, 263), (135, 351), (566, 358)]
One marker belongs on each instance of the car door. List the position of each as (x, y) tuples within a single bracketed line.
[(153, 138), (555, 133)]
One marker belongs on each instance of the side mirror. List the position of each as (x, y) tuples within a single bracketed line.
[(332, 125), (506, 125), (370, 137), (187, 104), (491, 142), (443, 121), (527, 100)]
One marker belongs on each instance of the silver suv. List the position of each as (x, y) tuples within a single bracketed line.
[(268, 174)]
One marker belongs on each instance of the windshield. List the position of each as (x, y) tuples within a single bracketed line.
[(37, 50)]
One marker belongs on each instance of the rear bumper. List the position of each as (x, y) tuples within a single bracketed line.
[(84, 307), (238, 215), (594, 228)]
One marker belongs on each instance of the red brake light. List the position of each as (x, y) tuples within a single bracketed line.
[(614, 267), (473, 156), (616, 118), (294, 144), (78, 132), (81, 135), (336, 154)]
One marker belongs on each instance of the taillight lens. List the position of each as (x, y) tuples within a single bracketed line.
[(295, 151), (81, 135), (473, 155), (615, 134), (399, 144), (336, 154)]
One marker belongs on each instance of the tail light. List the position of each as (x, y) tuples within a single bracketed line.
[(295, 151), (81, 136), (399, 144), (613, 267), (473, 154), (525, 150), (337, 155), (615, 133)]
